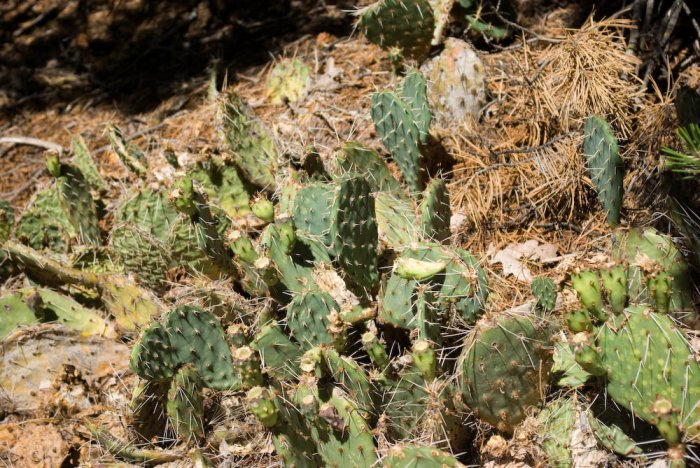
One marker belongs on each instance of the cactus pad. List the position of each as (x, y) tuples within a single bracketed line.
[(604, 166), (187, 335)]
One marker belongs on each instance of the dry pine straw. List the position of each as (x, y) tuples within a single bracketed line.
[(519, 172)]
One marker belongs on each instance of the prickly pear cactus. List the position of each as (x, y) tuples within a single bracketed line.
[(406, 26), (288, 81), (435, 212), (456, 83), (14, 312), (644, 357), (504, 369), (405, 456), (545, 293), (7, 220), (314, 319), (83, 161), (604, 166), (187, 335), (44, 224), (250, 144), (130, 155), (185, 405), (398, 130), (355, 158), (657, 273)]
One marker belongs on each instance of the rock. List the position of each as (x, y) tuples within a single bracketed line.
[(456, 86), (34, 359)]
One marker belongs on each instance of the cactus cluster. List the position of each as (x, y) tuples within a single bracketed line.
[(329, 304), (625, 336)]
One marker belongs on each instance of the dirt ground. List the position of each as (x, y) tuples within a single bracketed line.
[(517, 174)]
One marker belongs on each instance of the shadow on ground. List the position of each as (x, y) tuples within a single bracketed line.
[(138, 52)]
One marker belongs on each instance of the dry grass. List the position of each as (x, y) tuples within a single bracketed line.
[(524, 166)]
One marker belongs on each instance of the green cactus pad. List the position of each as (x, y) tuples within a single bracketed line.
[(354, 233), (250, 144), (150, 211), (77, 204), (129, 154), (587, 285), (355, 158), (187, 335), (279, 354), (313, 211), (141, 253), (556, 423), (545, 292), (223, 186), (399, 24), (417, 456), (82, 159), (604, 166), (396, 221), (398, 130), (435, 212), (314, 319), (44, 225), (414, 92), (53, 306), (647, 253), (185, 404), (504, 369), (651, 371), (14, 313)]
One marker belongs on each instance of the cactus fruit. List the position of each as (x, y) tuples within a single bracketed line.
[(417, 456), (187, 335), (185, 405), (545, 292), (407, 26), (288, 81), (14, 312), (129, 154), (614, 282), (504, 369), (604, 166), (435, 212), (263, 209), (250, 144)]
